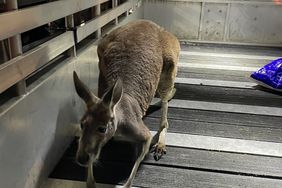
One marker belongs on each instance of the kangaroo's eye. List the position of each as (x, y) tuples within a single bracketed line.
[(102, 129)]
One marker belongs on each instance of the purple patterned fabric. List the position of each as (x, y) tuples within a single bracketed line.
[(270, 75)]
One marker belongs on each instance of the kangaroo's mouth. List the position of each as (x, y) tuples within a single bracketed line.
[(83, 160)]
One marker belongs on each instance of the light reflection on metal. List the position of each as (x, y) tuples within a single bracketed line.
[(277, 2)]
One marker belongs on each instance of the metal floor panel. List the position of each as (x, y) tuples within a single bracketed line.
[(225, 131), (227, 95)]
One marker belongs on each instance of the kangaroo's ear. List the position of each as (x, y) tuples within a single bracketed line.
[(113, 95), (83, 91)]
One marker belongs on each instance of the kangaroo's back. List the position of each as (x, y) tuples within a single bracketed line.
[(132, 53)]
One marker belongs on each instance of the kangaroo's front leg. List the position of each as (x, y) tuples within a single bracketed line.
[(143, 135), (90, 177)]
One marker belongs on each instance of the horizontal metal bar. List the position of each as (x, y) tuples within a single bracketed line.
[(232, 43), (95, 24), (224, 144), (216, 83), (18, 68), (264, 2), (218, 67), (22, 20), (239, 56)]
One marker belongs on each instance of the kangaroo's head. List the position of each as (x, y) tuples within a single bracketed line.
[(99, 122)]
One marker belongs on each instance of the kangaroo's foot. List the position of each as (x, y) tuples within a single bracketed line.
[(159, 149)]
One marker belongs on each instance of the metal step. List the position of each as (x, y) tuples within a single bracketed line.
[(248, 96)]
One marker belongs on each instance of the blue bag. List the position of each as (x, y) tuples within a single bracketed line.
[(270, 75)]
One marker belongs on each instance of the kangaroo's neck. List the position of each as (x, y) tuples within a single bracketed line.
[(128, 109)]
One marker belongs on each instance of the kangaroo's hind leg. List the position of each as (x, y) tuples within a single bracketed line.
[(166, 91)]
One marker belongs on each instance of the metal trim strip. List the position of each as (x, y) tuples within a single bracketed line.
[(261, 2), (217, 83), (239, 56), (218, 67)]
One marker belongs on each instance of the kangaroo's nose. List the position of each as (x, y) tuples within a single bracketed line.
[(82, 159)]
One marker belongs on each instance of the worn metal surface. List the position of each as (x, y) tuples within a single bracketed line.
[(182, 19), (238, 22), (213, 22), (255, 23)]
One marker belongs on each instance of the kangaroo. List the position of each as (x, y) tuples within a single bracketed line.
[(136, 61)]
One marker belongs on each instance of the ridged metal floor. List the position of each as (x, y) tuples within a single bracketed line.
[(224, 130)]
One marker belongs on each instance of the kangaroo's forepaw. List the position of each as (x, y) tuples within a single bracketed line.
[(159, 150), (91, 185), (127, 185)]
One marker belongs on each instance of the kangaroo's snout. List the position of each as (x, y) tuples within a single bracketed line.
[(82, 159)]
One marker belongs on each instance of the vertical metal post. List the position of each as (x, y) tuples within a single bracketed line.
[(115, 4), (15, 47), (69, 23), (4, 51), (201, 20), (97, 13), (226, 28)]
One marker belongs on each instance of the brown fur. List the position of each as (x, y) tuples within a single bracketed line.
[(136, 61)]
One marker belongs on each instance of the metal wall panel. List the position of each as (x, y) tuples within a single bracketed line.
[(255, 23), (250, 22), (29, 129), (35, 131), (213, 22), (181, 18)]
